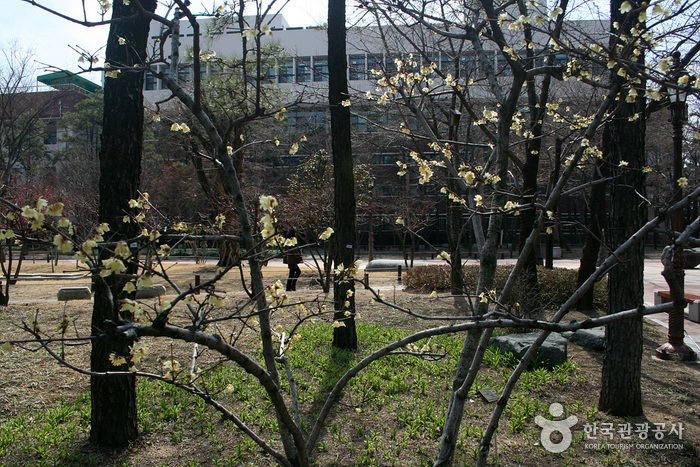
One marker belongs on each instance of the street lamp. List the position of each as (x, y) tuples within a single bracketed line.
[(675, 348)]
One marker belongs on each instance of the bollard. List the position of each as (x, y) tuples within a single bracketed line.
[(197, 282), (399, 274), (366, 280)]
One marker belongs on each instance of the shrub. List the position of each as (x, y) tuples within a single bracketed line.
[(556, 285)]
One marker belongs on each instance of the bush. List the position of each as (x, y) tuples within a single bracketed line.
[(556, 285)]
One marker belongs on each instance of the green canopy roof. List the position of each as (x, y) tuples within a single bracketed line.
[(63, 78)]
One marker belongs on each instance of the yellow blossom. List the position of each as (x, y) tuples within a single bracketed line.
[(326, 234), (64, 245), (682, 182), (268, 203), (112, 266), (55, 210), (116, 360)]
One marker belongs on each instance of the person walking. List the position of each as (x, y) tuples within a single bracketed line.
[(292, 259)]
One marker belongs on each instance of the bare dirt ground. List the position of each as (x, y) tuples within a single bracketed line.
[(32, 382)]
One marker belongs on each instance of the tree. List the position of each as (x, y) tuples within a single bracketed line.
[(78, 172), (621, 391), (113, 398), (162, 320), (22, 114), (306, 208), (344, 335)]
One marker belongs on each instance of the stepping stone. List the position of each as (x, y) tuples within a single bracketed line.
[(590, 339), (151, 292), (392, 264), (74, 293), (553, 349)]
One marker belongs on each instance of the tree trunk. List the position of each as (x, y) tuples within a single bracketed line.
[(591, 246), (114, 418), (621, 391), (344, 337), (530, 299)]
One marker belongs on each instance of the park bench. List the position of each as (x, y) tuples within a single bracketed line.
[(664, 296)]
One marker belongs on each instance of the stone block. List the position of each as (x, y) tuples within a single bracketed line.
[(151, 292), (590, 339), (74, 293), (392, 264), (552, 350)]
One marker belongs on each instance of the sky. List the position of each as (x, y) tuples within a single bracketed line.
[(50, 37)]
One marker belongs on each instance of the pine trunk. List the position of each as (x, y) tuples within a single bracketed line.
[(114, 417), (344, 337), (621, 391)]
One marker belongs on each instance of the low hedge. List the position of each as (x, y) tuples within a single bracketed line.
[(556, 285)]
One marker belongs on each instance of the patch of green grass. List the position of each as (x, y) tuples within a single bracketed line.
[(396, 405)]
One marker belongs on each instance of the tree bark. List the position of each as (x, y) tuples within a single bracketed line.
[(621, 391), (591, 246), (113, 398), (344, 337)]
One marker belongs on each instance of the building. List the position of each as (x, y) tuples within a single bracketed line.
[(298, 70), (29, 119)]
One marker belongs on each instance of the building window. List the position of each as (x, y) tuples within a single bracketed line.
[(358, 123), (447, 64), (165, 69), (321, 68), (151, 82), (502, 67), (468, 65), (286, 70), (374, 63), (183, 74), (51, 135), (390, 64), (303, 69), (357, 67)]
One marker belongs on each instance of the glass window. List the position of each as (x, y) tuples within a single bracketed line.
[(358, 123), (165, 69), (468, 65), (286, 70), (502, 68), (357, 67), (373, 63), (303, 69), (447, 63), (51, 135), (183, 74), (321, 68), (390, 63), (151, 82)]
